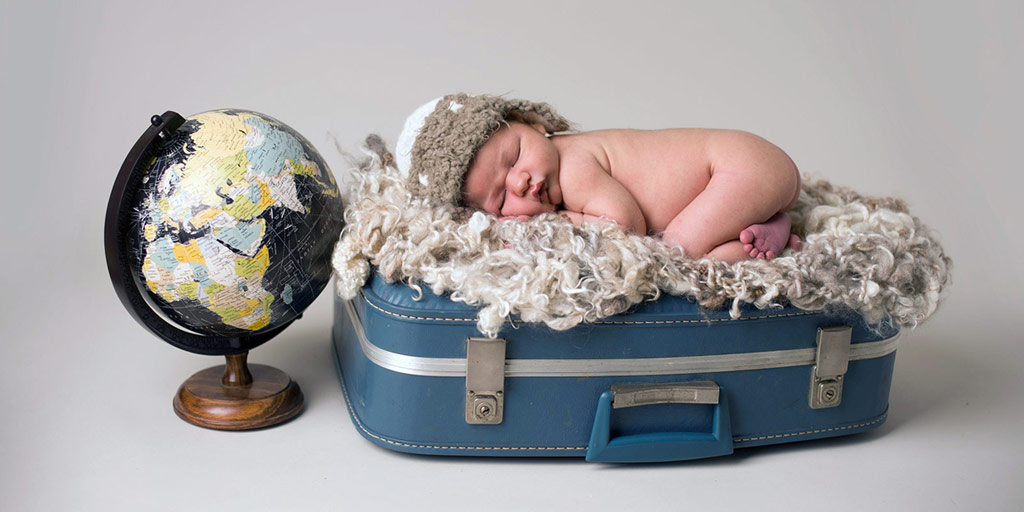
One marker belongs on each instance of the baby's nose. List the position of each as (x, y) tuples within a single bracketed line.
[(520, 183)]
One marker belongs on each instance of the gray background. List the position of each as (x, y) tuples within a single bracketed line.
[(919, 100)]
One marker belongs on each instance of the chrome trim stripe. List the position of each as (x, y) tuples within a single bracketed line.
[(456, 367)]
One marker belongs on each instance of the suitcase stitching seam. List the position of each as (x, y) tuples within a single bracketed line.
[(818, 431), (608, 322)]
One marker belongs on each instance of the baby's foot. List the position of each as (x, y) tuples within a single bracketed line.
[(765, 241), (794, 243)]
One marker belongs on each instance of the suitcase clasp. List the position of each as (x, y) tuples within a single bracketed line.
[(831, 363), (485, 381)]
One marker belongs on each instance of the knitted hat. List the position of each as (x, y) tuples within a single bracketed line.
[(441, 137)]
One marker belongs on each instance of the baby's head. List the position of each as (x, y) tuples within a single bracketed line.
[(483, 151)]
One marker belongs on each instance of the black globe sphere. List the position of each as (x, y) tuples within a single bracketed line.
[(225, 225)]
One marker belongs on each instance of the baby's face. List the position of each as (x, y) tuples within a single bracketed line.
[(514, 173)]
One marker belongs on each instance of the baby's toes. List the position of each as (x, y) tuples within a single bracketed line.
[(747, 237), (748, 247), (795, 242)]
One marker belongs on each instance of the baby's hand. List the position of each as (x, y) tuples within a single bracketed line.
[(575, 217)]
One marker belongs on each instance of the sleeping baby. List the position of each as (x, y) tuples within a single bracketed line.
[(718, 194)]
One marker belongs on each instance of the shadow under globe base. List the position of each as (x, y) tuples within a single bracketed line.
[(236, 396)]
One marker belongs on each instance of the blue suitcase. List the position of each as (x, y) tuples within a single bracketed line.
[(669, 381)]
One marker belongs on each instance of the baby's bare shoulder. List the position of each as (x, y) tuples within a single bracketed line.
[(627, 151), (678, 144), (687, 139), (598, 141), (619, 151)]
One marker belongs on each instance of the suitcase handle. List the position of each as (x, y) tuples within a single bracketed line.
[(660, 446)]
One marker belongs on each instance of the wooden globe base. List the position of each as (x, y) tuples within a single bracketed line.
[(237, 396)]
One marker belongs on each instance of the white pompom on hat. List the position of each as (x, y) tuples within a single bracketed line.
[(413, 123)]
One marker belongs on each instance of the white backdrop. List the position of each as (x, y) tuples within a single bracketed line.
[(920, 100)]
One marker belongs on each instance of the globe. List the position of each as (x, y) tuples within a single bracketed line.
[(236, 217), (224, 222), (218, 235)]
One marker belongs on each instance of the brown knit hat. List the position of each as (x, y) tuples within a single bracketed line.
[(441, 137)]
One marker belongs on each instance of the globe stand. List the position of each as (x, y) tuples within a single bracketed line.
[(237, 396)]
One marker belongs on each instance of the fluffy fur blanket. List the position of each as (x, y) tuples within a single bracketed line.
[(866, 254)]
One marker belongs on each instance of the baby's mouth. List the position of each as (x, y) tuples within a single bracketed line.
[(539, 192)]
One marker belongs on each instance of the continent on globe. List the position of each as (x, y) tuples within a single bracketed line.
[(238, 217)]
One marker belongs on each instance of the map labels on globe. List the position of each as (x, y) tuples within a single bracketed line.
[(238, 215)]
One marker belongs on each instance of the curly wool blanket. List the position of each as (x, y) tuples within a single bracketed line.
[(866, 254)]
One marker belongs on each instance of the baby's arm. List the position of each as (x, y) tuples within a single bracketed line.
[(579, 218), (592, 195)]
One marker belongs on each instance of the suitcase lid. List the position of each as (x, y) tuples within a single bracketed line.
[(672, 326)]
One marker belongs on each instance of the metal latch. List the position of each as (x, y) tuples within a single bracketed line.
[(830, 366), (485, 381)]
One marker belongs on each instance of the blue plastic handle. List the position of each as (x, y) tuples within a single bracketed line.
[(660, 446)]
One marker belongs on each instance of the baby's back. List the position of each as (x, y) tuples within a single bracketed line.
[(664, 170)]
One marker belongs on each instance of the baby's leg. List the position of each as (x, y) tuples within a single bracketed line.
[(739, 194), (729, 252)]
